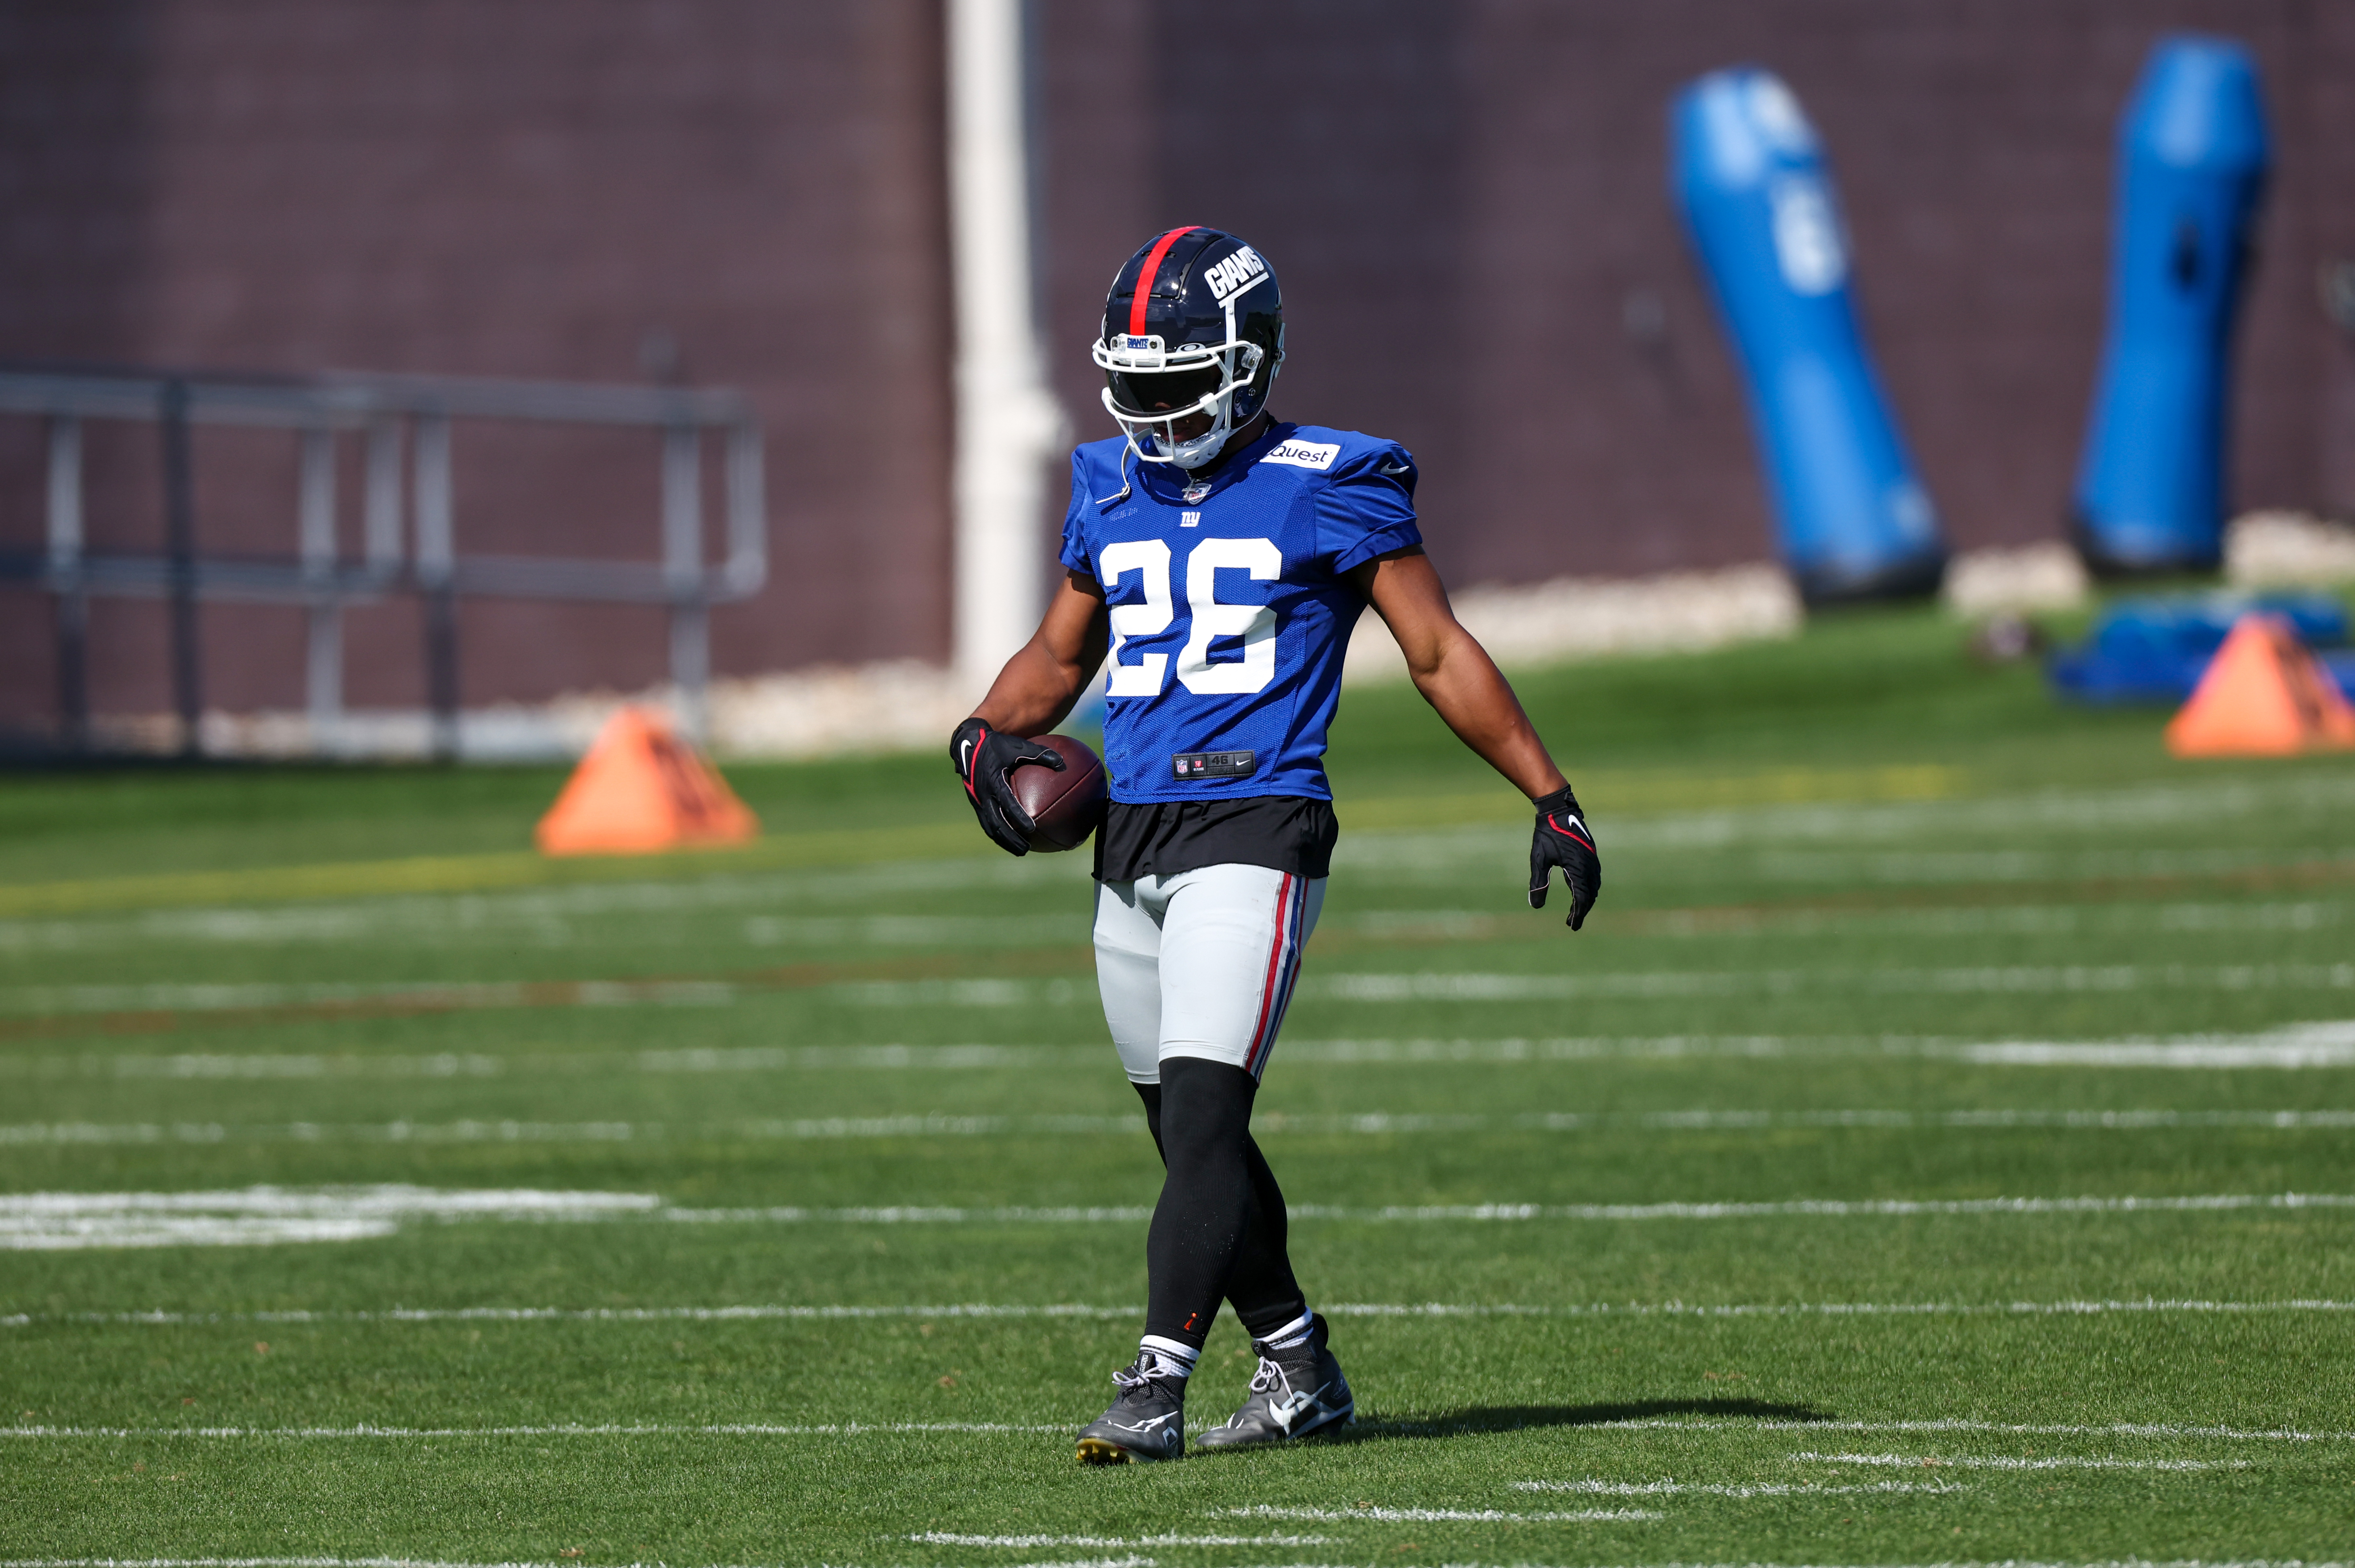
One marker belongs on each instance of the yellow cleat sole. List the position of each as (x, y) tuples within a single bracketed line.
[(1096, 1451)]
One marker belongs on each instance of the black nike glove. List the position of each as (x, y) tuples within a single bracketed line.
[(1563, 839), (982, 756)]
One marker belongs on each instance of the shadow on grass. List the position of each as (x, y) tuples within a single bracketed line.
[(1518, 1417)]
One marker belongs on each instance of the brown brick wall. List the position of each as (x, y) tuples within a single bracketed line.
[(504, 187), (1467, 204), (1466, 199)]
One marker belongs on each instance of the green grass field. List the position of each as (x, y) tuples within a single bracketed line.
[(1940, 1146)]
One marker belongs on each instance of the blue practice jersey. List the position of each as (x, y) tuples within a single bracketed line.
[(1229, 612)]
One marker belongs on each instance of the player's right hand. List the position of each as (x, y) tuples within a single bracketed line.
[(983, 757), (1563, 839)]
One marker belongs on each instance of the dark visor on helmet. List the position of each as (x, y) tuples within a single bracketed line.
[(1160, 391)]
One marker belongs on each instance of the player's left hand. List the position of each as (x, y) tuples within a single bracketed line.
[(1563, 839), (983, 757)]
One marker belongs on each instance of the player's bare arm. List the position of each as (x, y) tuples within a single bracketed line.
[(1467, 690), (1454, 672), (1036, 689), (1029, 696)]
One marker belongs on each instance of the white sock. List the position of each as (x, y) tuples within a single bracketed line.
[(1293, 1334), (1166, 1359)]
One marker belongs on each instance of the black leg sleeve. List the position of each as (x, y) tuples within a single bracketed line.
[(1262, 1287), (1151, 1094), (1205, 1210), (1265, 1294)]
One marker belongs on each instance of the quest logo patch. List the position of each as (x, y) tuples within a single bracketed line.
[(1317, 455)]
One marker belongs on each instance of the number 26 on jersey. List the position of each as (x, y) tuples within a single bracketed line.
[(1254, 623)]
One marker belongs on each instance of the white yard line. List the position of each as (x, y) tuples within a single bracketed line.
[(1058, 993), (2032, 979), (546, 917), (1376, 1124), (2329, 1043), (272, 1563), (265, 1216), (65, 1134), (1737, 1121), (893, 1428), (418, 1562), (388, 1200), (227, 997), (946, 1537), (560, 1429), (913, 1214), (513, 1131), (2003, 1462), (1436, 1515), (581, 1315), (260, 1064), (2071, 1309), (1939, 922), (1453, 1213), (1830, 1208), (787, 1312), (269, 1216), (601, 1064), (1363, 987), (2012, 1429), (1703, 1488)]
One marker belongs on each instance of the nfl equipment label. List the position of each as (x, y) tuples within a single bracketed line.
[(1306, 453), (1213, 764)]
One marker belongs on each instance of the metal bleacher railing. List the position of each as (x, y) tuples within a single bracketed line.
[(403, 423)]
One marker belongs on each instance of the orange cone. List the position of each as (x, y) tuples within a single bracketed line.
[(2264, 696), (641, 789)]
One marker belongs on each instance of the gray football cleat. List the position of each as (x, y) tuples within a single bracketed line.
[(1295, 1392), (1146, 1421)]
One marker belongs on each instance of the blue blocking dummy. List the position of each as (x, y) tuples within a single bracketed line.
[(1749, 180), (2192, 163), (2156, 650)]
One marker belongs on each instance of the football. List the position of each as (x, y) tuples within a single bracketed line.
[(1068, 805)]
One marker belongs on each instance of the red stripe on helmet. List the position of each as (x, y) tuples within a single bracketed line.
[(1144, 278)]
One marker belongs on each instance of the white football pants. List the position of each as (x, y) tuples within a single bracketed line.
[(1201, 963)]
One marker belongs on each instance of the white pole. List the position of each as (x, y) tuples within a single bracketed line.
[(1007, 422)]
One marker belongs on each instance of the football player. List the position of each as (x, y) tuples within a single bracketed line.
[(1220, 557)]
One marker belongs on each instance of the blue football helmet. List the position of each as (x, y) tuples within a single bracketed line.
[(1194, 326)]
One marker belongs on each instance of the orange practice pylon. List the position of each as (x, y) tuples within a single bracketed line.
[(641, 789), (2264, 696)]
